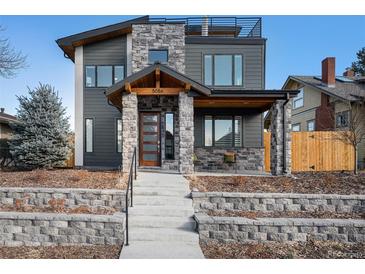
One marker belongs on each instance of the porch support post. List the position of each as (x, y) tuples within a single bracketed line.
[(280, 149), (186, 130), (130, 129)]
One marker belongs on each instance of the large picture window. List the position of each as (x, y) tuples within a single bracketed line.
[(169, 136), (89, 128), (223, 131), (103, 76), (223, 70)]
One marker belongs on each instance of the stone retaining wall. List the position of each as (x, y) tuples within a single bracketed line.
[(237, 229), (70, 197), (45, 229), (204, 201)]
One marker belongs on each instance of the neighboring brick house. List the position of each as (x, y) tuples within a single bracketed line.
[(182, 91), (324, 102)]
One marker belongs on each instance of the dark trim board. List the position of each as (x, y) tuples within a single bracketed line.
[(224, 40)]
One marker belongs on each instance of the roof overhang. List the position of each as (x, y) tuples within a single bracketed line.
[(69, 43), (257, 99)]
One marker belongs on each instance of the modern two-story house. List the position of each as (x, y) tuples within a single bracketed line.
[(186, 92)]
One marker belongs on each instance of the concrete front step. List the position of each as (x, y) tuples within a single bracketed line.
[(145, 191), (161, 250), (162, 186), (162, 222), (163, 211), (161, 201), (163, 235)]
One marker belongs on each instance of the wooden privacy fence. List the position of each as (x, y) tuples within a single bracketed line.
[(316, 151)]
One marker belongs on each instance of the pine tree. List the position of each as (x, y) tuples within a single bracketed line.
[(41, 138), (359, 65)]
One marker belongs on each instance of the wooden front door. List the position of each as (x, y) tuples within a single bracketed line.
[(149, 139)]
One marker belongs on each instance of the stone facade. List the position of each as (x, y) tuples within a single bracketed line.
[(212, 159), (70, 197), (236, 229), (46, 229), (204, 201), (163, 105), (130, 129), (186, 130), (277, 128), (158, 36)]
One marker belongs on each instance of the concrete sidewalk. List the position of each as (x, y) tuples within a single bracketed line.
[(161, 224)]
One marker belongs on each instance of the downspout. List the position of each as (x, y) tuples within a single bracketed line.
[(284, 134)]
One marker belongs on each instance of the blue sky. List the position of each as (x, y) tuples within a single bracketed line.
[(295, 46)]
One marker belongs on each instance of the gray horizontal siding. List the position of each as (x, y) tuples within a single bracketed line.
[(252, 125), (109, 52), (253, 130), (253, 56)]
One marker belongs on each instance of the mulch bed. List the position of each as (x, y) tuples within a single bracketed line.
[(62, 178), (306, 182), (309, 250), (286, 214), (49, 209), (61, 252)]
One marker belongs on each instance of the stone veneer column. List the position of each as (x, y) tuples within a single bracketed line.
[(130, 129), (277, 138), (186, 129)]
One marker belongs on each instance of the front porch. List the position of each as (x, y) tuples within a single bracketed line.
[(179, 125)]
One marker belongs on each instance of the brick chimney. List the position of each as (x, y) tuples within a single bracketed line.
[(328, 71), (349, 73)]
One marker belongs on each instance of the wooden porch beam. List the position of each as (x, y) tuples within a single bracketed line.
[(157, 91), (128, 87), (157, 71)]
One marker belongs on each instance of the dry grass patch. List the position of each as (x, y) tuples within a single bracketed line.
[(62, 178), (61, 252), (309, 250), (306, 182)]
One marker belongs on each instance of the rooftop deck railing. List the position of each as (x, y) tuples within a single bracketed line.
[(240, 27)]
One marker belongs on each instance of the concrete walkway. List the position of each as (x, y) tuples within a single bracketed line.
[(161, 224)]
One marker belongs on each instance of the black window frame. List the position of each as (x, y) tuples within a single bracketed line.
[(92, 135), (96, 74), (161, 49), (233, 143), (173, 135), (233, 69)]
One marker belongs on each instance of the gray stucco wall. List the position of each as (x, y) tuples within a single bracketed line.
[(108, 52), (253, 58)]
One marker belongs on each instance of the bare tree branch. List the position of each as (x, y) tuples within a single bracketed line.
[(11, 60)]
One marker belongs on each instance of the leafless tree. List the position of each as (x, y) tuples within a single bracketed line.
[(11, 60), (354, 132)]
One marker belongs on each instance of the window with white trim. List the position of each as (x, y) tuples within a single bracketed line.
[(298, 101), (310, 125), (295, 127)]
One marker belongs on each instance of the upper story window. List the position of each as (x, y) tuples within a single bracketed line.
[(223, 70), (342, 119), (103, 75), (299, 99), (158, 55)]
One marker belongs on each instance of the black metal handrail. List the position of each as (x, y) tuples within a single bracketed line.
[(130, 188)]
